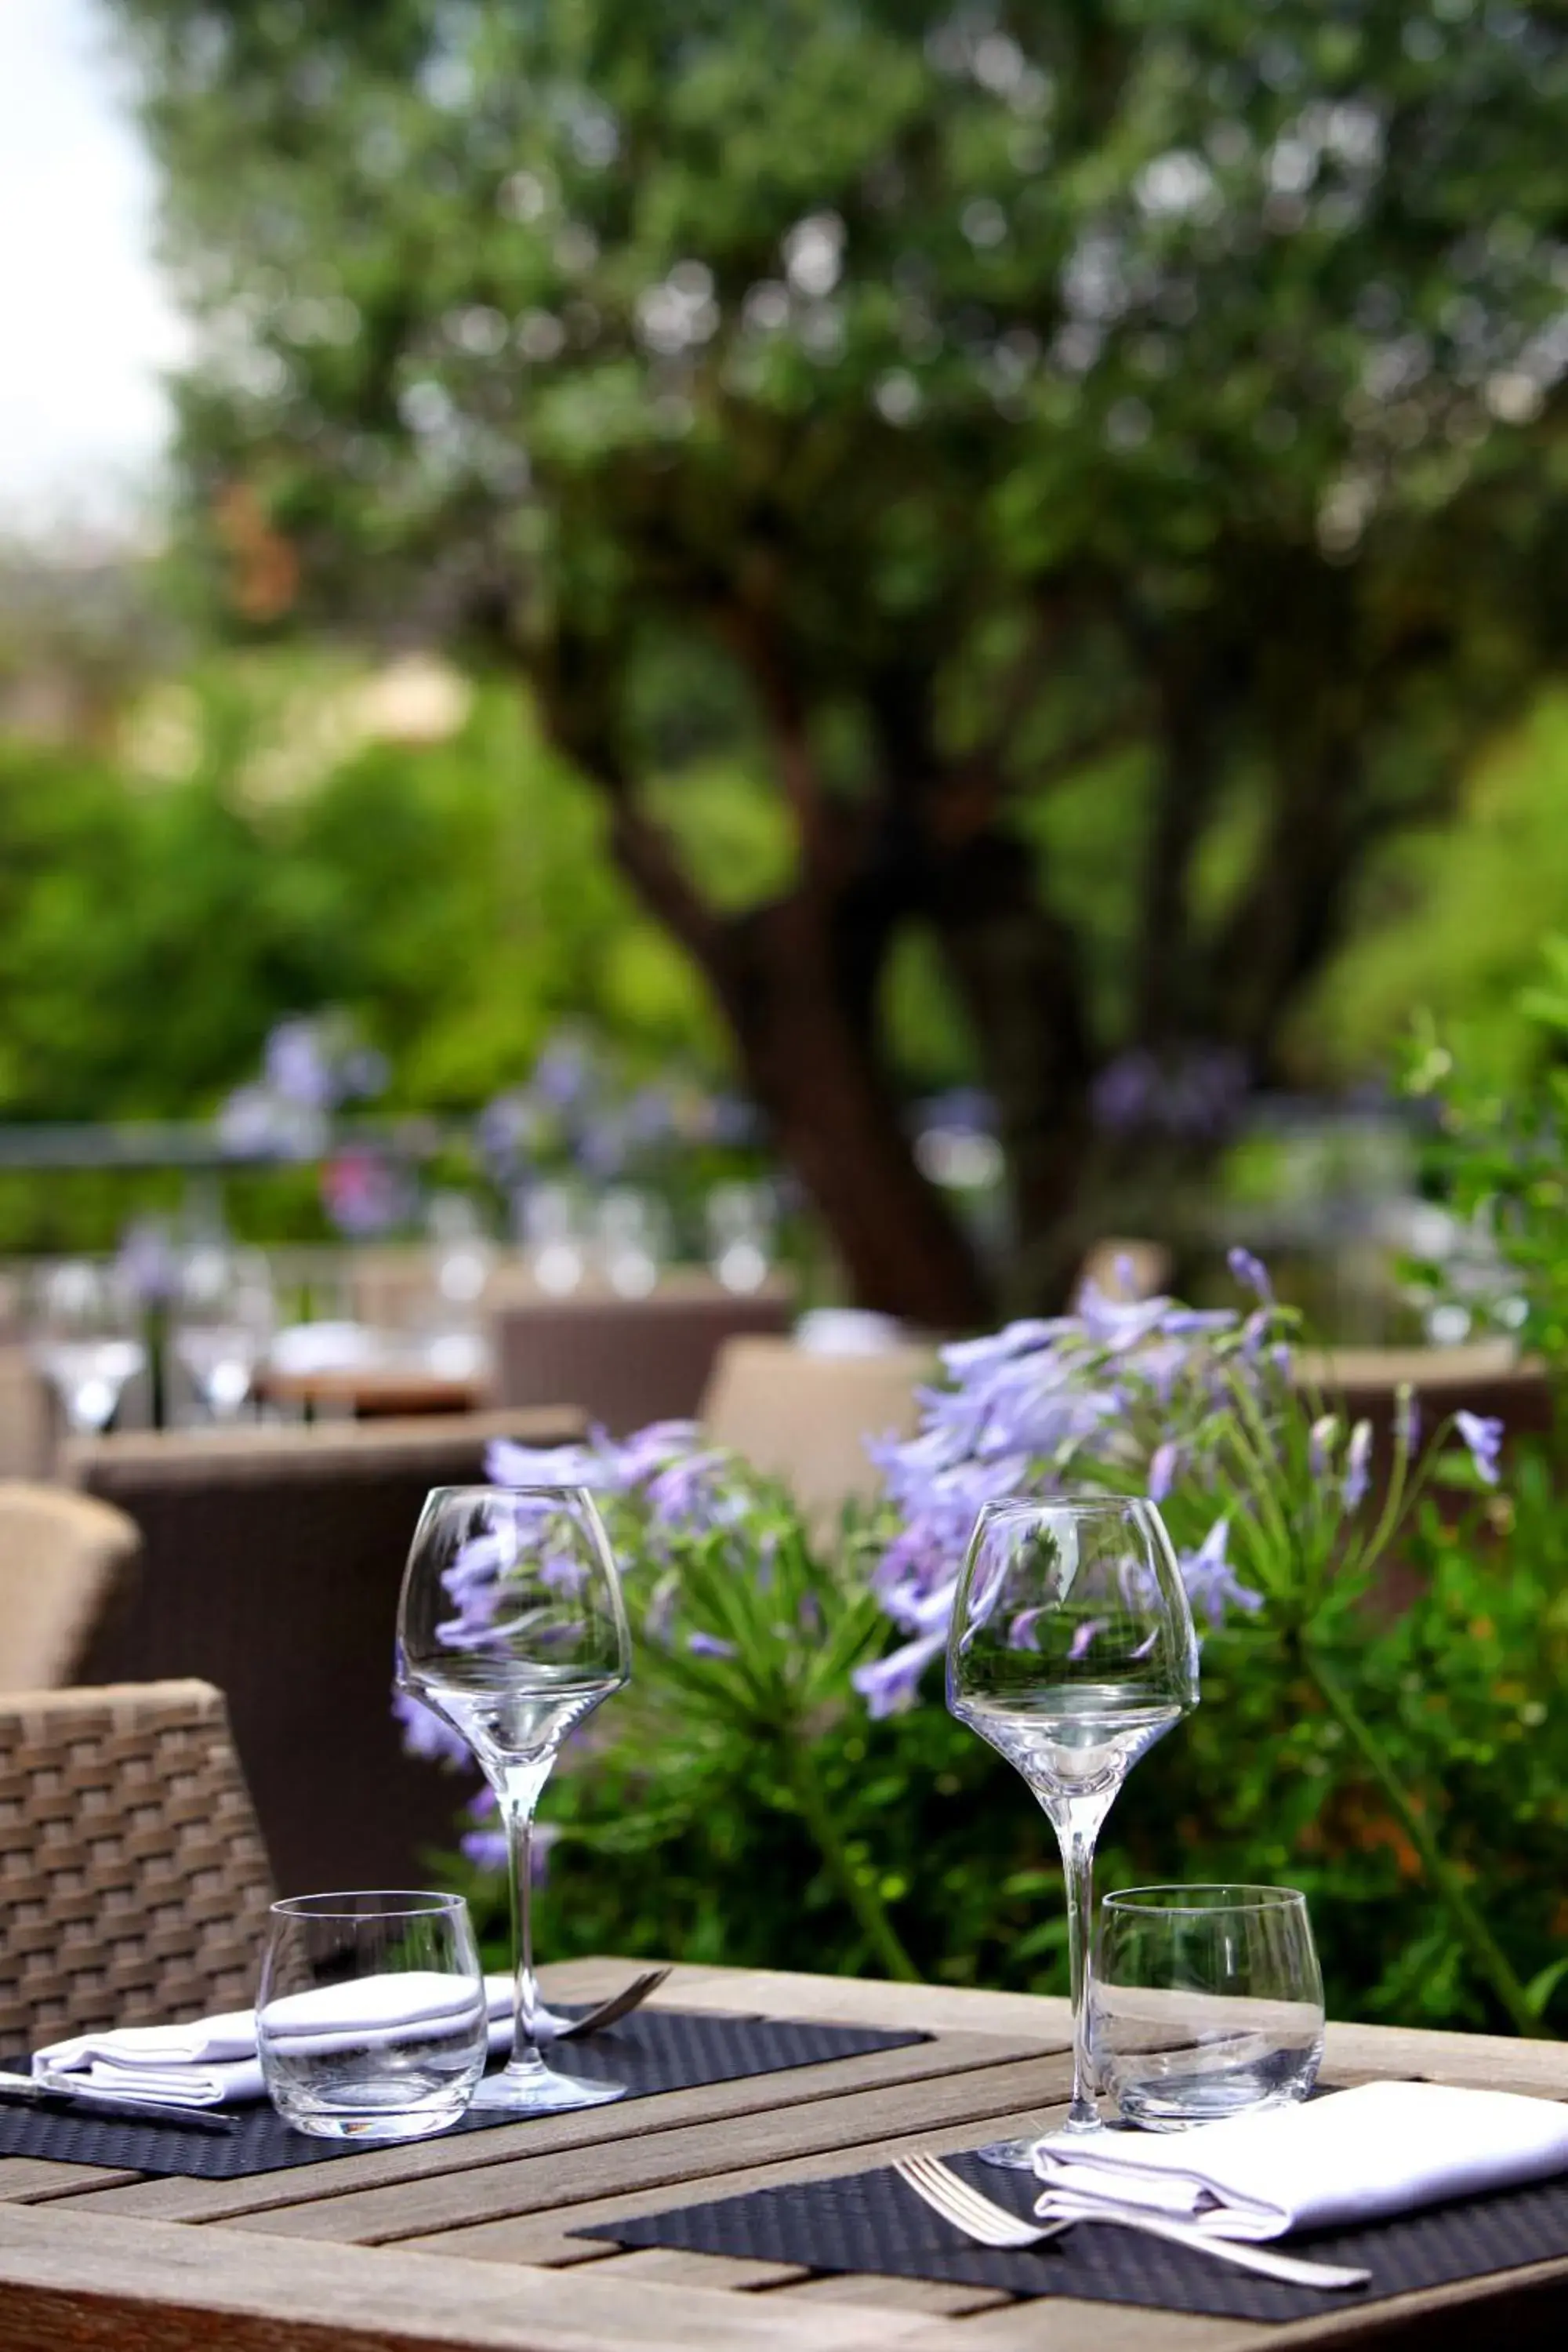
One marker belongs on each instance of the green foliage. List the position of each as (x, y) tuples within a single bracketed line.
[(1451, 919), (453, 895), (1401, 1760), (250, 851), (700, 1849), (929, 408), (1501, 1151)]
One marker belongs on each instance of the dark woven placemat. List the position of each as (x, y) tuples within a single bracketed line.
[(656, 2049), (871, 2222)]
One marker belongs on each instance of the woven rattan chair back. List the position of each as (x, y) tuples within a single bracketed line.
[(63, 1556), (133, 1882), (272, 1562), (26, 1416), (626, 1361), (806, 1419)]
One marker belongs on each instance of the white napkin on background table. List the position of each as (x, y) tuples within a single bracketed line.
[(1353, 2156), (213, 2062)]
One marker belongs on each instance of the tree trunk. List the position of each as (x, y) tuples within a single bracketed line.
[(811, 1064), (796, 981), (1016, 967)]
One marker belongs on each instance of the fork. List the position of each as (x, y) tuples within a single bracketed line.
[(549, 2027), (993, 2225)]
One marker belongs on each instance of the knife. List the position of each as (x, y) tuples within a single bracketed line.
[(33, 2090)]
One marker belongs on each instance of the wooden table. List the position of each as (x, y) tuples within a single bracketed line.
[(375, 1392), (464, 2242)]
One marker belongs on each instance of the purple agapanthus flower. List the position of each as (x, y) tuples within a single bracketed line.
[(485, 1845), (146, 1261), (425, 1734), (710, 1645), (1252, 1275), (1120, 1394), (1483, 1434), (1163, 1463), (1212, 1583), (1357, 1466), (889, 1684), (564, 1076), (297, 1066)]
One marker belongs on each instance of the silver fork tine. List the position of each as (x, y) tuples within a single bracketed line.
[(619, 2005), (959, 2192), (976, 2215)]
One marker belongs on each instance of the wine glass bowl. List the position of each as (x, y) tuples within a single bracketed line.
[(1071, 1650), (224, 1314), (512, 1629), (85, 1340)]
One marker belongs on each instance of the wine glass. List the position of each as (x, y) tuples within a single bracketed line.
[(740, 1235), (512, 1629), (552, 1239), (634, 1240), (1071, 1650), (224, 1318), (86, 1340)]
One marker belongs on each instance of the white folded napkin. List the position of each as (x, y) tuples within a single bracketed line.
[(1384, 2147), (213, 2062)]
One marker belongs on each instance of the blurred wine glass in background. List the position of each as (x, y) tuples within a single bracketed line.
[(224, 1316), (634, 1240), (85, 1340), (552, 1239), (741, 1235)]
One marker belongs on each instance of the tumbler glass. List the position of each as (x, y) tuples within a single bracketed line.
[(1204, 2001), (372, 2019)]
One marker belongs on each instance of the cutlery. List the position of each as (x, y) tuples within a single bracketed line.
[(49, 2091), (992, 2225), (552, 2028)]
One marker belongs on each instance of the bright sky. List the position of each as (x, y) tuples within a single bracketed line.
[(85, 326)]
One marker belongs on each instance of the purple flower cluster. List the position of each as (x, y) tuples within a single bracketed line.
[(1116, 1394), (678, 1484), (312, 1066), (576, 1111), (1192, 1097)]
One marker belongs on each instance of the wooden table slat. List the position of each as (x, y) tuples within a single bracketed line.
[(787, 2097), (546, 2237), (550, 2185)]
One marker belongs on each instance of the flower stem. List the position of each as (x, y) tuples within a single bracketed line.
[(1492, 1961), (862, 1898)]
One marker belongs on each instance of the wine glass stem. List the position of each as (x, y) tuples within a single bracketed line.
[(517, 1793), (1078, 1828)]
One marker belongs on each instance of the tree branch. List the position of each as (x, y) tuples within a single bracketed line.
[(756, 642), (647, 857), (578, 708)]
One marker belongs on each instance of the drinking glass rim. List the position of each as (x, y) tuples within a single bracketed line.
[(1225, 1896), (1081, 1502), (490, 1492), (381, 1902)]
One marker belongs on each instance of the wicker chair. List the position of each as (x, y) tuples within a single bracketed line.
[(626, 1361), (62, 1558), (272, 1559), (805, 1418), (133, 1875), (26, 1416)]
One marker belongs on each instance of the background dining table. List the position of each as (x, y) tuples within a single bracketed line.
[(467, 2241)]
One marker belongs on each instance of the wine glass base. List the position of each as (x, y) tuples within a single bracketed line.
[(1018, 2155), (540, 2091), (1009, 2155)]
